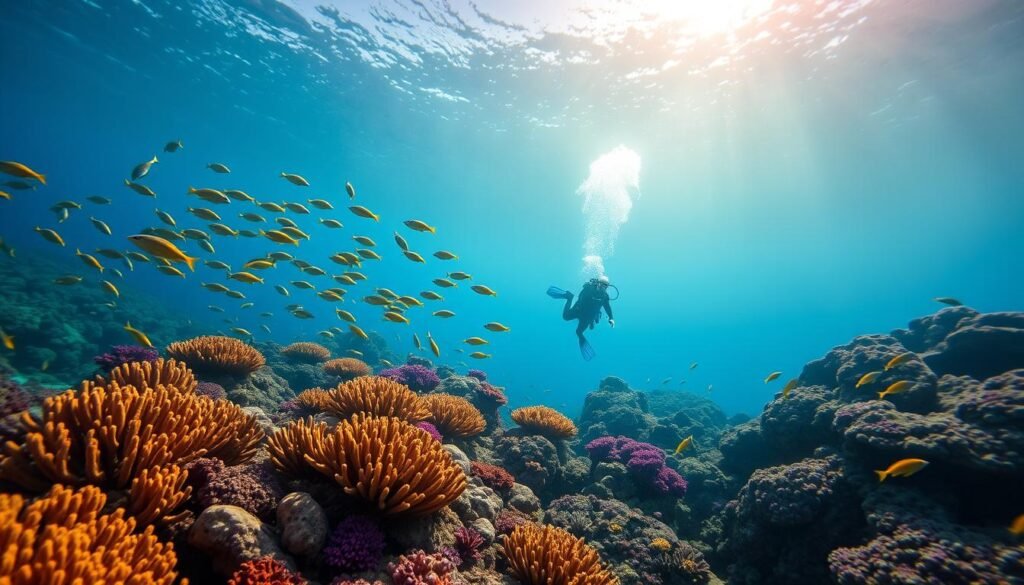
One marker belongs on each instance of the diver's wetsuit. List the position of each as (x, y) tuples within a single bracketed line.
[(587, 308)]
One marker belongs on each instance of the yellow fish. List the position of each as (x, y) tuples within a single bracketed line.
[(246, 277), (214, 287), (476, 341), (295, 179), (98, 200), (355, 352), (395, 317), (483, 290), (223, 230), (89, 261), (239, 195), (433, 345), (868, 378), (377, 300), (110, 288), (444, 313), (350, 190), (327, 334), (895, 388), (413, 256), (50, 236), (279, 237), (332, 223), (329, 295), (234, 294), (5, 195), (479, 355), (142, 169), (368, 254), (445, 255), (101, 225), (171, 271), (416, 341), (297, 208), (365, 240), (67, 279), (242, 332), (345, 315), (165, 217), (460, 276), (294, 232), (772, 376), (161, 248), (140, 188), (211, 195), (789, 387), (409, 301), (259, 264), (358, 331), (902, 468), (204, 213), (415, 224), (8, 340), (683, 445), (45, 366), (404, 245), (1017, 526), (497, 327), (173, 146), (281, 290), (271, 206), (253, 217), (302, 284), (431, 295), (139, 336), (16, 169), (693, 365), (900, 359), (219, 168), (361, 211), (320, 203)]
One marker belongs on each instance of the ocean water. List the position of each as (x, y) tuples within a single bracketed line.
[(762, 180)]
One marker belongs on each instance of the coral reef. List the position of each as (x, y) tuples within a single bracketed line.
[(356, 545), (346, 368), (644, 461), (454, 416), (125, 354), (217, 356), (306, 352), (493, 476), (211, 390), (418, 378), (478, 374), (467, 544), (250, 487), (378, 397), (420, 568), (265, 571), (171, 373), (431, 430), (230, 536), (544, 421), (547, 555)]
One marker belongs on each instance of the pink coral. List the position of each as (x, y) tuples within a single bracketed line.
[(419, 568)]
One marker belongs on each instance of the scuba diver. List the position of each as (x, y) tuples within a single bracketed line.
[(587, 310)]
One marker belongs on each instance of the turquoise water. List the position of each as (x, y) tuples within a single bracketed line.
[(803, 173)]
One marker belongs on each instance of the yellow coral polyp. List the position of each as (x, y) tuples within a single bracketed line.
[(661, 544)]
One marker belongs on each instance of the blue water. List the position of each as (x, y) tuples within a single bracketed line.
[(805, 176)]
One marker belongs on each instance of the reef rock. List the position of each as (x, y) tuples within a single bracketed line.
[(262, 388), (302, 523), (231, 536)]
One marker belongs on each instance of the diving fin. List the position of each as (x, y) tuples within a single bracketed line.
[(557, 293), (587, 350)]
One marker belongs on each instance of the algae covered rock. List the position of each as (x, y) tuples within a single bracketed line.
[(231, 536), (302, 523)]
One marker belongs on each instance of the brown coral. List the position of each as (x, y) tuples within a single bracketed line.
[(62, 538), (215, 355), (347, 368), (306, 352), (454, 416), (120, 437), (377, 397), (391, 464), (313, 400), (547, 555), (171, 373), (289, 445), (542, 420)]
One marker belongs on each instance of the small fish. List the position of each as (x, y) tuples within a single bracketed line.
[(354, 352), (868, 378), (902, 468), (483, 290), (242, 332), (140, 188), (20, 185), (206, 245), (948, 301), (666, 381), (259, 264), (238, 195), (266, 314), (459, 276), (416, 341), (327, 334), (204, 213), (314, 271), (62, 215), (895, 388), (772, 376), (210, 195), (710, 388), (162, 248), (65, 205), (219, 168), (295, 179), (248, 234), (142, 169), (395, 317), (377, 300), (302, 314), (247, 305), (365, 240), (496, 327), (444, 283), (173, 146), (479, 355), (417, 225), (475, 341), (683, 445), (112, 254), (139, 336), (433, 345), (98, 200), (444, 314), (16, 169), (320, 203), (67, 280), (431, 295), (303, 285), (170, 271), (350, 190), (101, 226), (214, 287), (217, 265), (409, 301), (404, 245), (368, 254), (445, 255), (223, 230), (110, 288), (89, 260), (194, 234), (215, 308), (344, 279), (693, 366), (899, 360), (234, 294), (117, 273), (297, 208), (265, 327), (246, 277), (789, 387), (279, 237), (8, 340), (45, 366), (361, 211), (357, 276), (329, 295), (414, 256), (253, 217), (280, 256), (1017, 526), (5, 195), (282, 290), (345, 315), (50, 236), (294, 232), (165, 217), (271, 206), (358, 331), (332, 223)]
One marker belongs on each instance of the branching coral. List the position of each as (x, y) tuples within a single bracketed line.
[(124, 354), (150, 374), (313, 400), (431, 430), (491, 394), (390, 463), (62, 538), (306, 352), (546, 555), (347, 368), (417, 377), (377, 397), (118, 437), (289, 445), (468, 543), (265, 571), (493, 476), (454, 416), (542, 420), (419, 568), (216, 355)]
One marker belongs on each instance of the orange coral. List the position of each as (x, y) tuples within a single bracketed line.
[(347, 368), (542, 420), (391, 464), (289, 445), (377, 397), (62, 538), (305, 351), (314, 399), (171, 373), (119, 437), (454, 416), (215, 355), (547, 555)]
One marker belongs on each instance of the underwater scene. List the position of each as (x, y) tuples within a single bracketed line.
[(537, 292)]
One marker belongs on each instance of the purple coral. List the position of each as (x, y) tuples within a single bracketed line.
[(356, 545), (125, 354), (491, 394), (419, 568), (478, 374), (250, 487), (417, 377), (13, 401), (468, 543), (211, 390), (431, 430), (646, 462)]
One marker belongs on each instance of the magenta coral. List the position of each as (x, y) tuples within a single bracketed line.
[(431, 430), (211, 390), (508, 519), (468, 543), (265, 571), (478, 374), (356, 545), (419, 568), (125, 354), (646, 462), (417, 377), (491, 394)]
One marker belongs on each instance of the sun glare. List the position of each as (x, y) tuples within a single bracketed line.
[(707, 17)]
